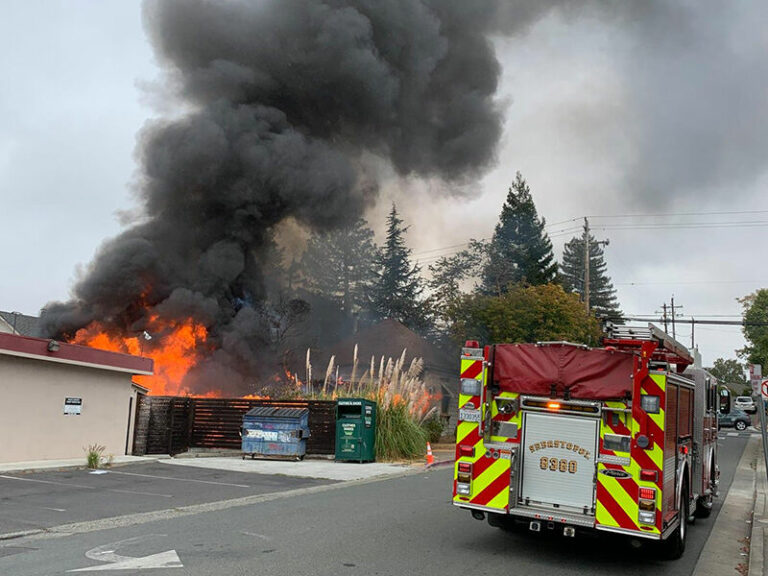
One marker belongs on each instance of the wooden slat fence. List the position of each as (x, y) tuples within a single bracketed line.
[(170, 425)]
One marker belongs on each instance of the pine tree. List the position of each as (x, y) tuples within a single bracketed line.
[(602, 295), (520, 250), (341, 265), (398, 287)]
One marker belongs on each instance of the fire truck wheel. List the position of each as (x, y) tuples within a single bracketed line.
[(674, 546)]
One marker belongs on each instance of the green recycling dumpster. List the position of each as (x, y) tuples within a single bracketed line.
[(355, 430)]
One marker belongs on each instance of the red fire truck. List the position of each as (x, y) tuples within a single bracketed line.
[(564, 437)]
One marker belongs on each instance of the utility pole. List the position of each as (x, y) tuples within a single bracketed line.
[(693, 323), (586, 264), (587, 261), (664, 307), (673, 315)]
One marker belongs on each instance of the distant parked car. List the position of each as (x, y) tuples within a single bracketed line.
[(736, 419), (745, 403)]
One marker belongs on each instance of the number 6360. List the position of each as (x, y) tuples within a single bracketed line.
[(558, 465)]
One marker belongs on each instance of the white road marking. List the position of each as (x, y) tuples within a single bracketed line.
[(181, 479), (257, 535), (47, 482), (106, 553), (86, 488), (54, 509)]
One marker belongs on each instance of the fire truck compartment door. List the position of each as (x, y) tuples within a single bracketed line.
[(559, 460)]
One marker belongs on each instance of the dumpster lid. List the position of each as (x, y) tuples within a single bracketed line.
[(273, 412)]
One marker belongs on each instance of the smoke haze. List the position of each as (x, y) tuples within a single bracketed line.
[(286, 101), (289, 106)]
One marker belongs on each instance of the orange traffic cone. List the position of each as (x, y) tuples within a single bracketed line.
[(430, 458)]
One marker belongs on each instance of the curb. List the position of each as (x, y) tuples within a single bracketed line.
[(757, 540), (21, 534), (440, 464)]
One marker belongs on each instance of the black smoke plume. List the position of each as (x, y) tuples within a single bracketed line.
[(285, 104)]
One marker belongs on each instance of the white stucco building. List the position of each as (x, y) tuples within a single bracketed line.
[(59, 398)]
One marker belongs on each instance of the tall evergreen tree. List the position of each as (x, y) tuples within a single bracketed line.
[(520, 250), (341, 265), (602, 295), (398, 287)]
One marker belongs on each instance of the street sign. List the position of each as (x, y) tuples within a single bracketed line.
[(764, 388)]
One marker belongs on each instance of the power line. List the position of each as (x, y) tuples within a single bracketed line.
[(715, 213), (672, 282), (689, 321), (453, 248)]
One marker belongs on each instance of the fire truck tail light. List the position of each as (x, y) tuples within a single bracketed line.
[(466, 450), (465, 467), (471, 344), (649, 475), (463, 489), (464, 477), (648, 494)]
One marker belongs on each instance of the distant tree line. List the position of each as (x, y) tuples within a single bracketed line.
[(509, 288)]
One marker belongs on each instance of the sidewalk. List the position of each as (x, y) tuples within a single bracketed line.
[(71, 463), (227, 460), (727, 551), (758, 566)]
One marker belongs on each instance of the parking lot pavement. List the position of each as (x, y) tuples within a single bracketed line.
[(41, 500)]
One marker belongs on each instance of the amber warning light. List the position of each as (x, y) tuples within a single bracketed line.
[(553, 405)]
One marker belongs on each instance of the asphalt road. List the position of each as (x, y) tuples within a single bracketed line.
[(396, 526)]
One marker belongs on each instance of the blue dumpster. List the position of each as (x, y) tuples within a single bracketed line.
[(269, 431)]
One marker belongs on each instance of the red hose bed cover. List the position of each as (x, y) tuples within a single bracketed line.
[(594, 374)]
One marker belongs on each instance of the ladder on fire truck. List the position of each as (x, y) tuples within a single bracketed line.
[(665, 349)]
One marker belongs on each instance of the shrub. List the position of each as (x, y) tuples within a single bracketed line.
[(93, 455), (433, 427)]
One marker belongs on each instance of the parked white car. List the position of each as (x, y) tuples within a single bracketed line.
[(745, 403)]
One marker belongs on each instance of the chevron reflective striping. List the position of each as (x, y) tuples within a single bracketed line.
[(610, 512), (471, 368), (467, 433), (488, 486)]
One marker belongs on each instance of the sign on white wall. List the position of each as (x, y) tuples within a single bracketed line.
[(73, 406)]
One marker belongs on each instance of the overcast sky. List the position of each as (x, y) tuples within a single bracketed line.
[(654, 125)]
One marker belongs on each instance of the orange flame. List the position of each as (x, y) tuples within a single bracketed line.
[(174, 348)]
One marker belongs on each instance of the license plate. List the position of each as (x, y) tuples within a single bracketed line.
[(469, 415)]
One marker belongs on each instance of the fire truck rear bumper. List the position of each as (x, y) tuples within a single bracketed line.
[(565, 519)]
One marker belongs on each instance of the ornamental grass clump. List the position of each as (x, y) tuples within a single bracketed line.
[(93, 455)]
